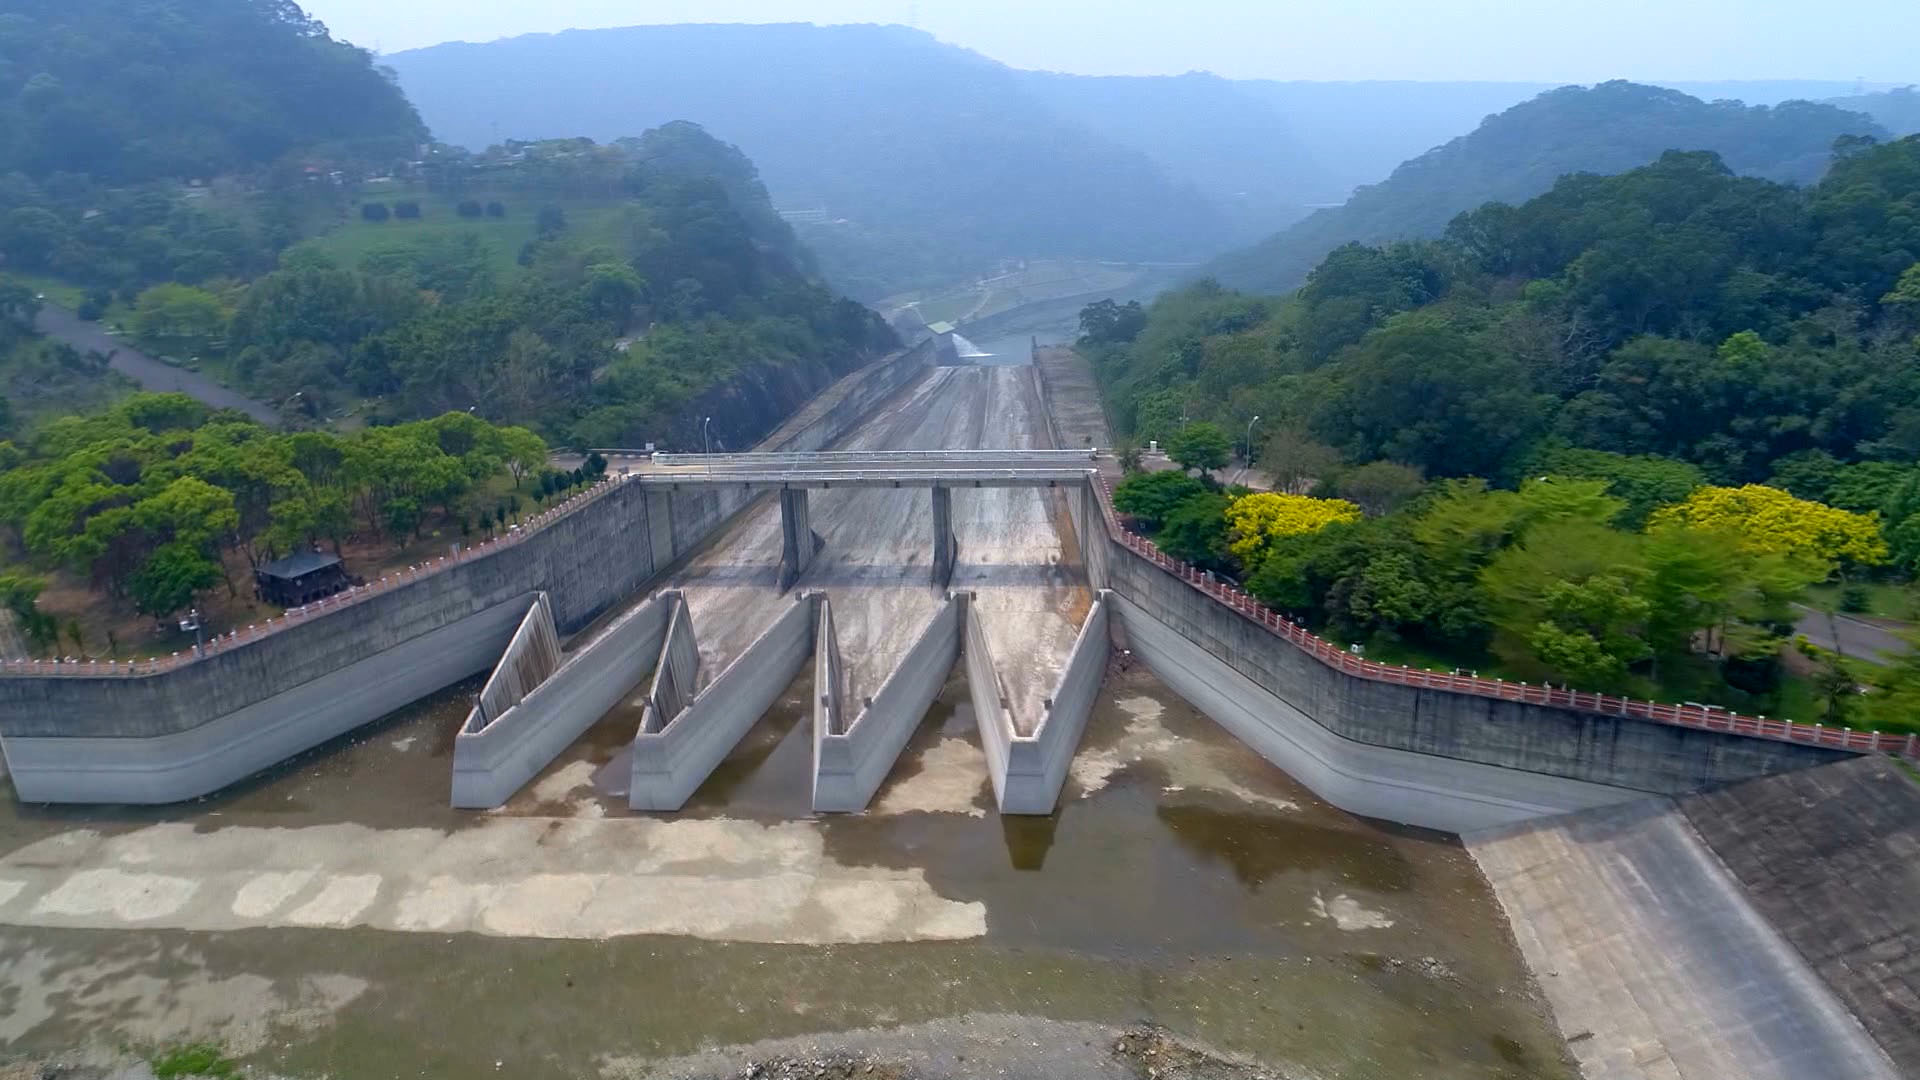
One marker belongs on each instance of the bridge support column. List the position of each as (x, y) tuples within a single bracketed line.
[(798, 542), (945, 546)]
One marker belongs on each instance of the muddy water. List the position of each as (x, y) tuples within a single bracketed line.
[(1183, 881)]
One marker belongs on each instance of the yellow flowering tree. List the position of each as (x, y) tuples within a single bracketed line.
[(1255, 521), (1763, 520)]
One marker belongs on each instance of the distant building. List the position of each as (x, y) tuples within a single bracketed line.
[(301, 578)]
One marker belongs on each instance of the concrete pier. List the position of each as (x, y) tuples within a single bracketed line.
[(671, 761), (849, 765), (945, 547), (798, 542), (494, 757)]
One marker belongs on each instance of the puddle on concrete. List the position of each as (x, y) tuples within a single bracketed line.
[(1189, 883)]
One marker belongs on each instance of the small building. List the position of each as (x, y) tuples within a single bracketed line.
[(301, 578)]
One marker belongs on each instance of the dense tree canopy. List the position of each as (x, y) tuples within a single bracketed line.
[(141, 500), (99, 89)]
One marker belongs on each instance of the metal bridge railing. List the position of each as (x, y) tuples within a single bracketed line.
[(877, 458)]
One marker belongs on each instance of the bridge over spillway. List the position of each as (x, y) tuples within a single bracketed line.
[(941, 472)]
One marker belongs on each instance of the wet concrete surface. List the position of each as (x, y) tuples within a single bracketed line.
[(1184, 881)]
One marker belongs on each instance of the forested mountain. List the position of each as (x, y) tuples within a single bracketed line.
[(174, 89), (1606, 437), (1520, 153), (320, 259), (927, 161), (1897, 110)]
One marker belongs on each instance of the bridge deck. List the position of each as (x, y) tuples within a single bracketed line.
[(840, 477)]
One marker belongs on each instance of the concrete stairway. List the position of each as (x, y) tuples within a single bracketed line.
[(1655, 963)]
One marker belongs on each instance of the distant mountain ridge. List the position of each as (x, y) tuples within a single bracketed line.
[(907, 162), (1897, 110), (1519, 153), (936, 159)]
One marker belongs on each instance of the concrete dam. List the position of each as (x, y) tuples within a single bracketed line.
[(915, 516), (913, 564)]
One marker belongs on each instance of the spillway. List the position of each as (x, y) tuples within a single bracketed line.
[(882, 620)]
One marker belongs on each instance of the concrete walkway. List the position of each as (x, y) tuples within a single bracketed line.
[(153, 375), (1656, 965)]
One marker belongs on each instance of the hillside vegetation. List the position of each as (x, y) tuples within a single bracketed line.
[(1607, 436), (447, 313), (1521, 152)]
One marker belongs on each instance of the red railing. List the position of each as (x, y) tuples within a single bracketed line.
[(1691, 716), (255, 631)]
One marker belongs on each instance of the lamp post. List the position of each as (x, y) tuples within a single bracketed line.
[(706, 436), (1250, 423), (193, 622)]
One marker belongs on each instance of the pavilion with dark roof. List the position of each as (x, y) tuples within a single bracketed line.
[(301, 578)]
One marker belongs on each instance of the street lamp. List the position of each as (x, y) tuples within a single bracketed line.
[(1250, 423), (706, 436), (192, 622)]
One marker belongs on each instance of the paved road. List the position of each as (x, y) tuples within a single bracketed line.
[(63, 325), (1857, 638)]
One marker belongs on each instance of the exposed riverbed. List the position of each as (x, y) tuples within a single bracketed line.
[(336, 918)]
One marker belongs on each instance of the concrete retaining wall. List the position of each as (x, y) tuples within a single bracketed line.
[(676, 676), (1036, 765), (1428, 790), (1090, 535), (177, 765), (587, 562), (532, 655), (829, 678), (990, 712), (671, 764), (1615, 751), (849, 767), (493, 760)]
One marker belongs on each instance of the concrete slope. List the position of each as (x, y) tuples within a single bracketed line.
[(877, 557), (1831, 856), (1030, 597), (1656, 964)]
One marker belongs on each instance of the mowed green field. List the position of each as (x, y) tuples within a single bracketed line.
[(350, 241)]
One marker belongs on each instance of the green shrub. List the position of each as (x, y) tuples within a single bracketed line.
[(194, 1059)]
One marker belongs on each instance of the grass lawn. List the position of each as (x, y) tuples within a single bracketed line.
[(351, 239), (1885, 600), (59, 292)]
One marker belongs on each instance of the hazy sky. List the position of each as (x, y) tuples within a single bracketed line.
[(1533, 40)]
